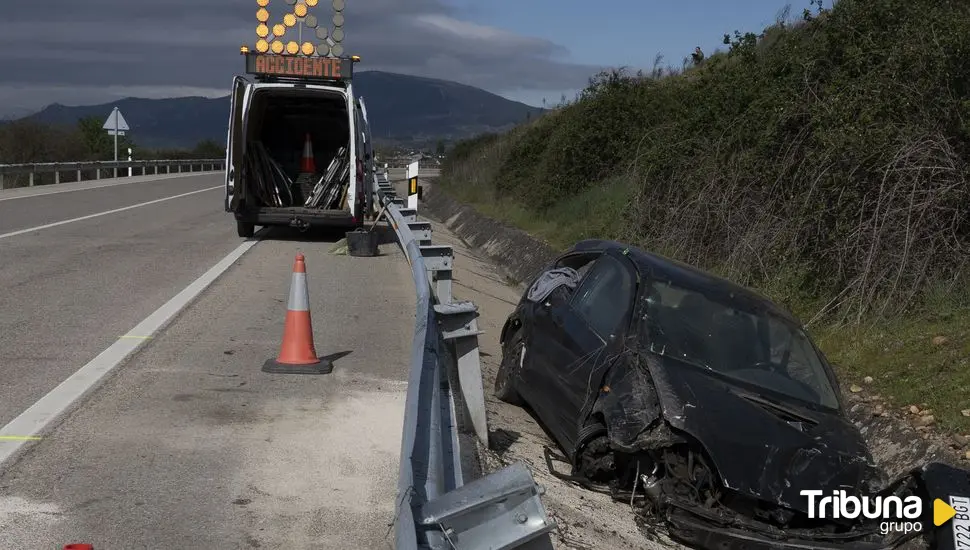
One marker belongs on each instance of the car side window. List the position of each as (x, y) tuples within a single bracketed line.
[(605, 297)]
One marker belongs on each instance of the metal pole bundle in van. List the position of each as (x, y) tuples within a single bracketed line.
[(333, 184)]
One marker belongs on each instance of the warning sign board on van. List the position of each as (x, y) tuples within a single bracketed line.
[(310, 68)]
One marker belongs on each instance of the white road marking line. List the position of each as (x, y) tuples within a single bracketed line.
[(38, 417), (115, 211), (85, 187)]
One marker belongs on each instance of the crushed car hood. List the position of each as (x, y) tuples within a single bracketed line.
[(770, 452)]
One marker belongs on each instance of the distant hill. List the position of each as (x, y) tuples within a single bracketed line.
[(402, 109)]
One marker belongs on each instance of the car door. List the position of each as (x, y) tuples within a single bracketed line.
[(542, 357), (588, 328), (235, 142)]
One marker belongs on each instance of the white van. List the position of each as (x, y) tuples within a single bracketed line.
[(294, 111)]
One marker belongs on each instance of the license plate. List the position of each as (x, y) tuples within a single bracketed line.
[(961, 522)]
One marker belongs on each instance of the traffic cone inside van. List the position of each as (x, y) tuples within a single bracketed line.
[(298, 354), (307, 165)]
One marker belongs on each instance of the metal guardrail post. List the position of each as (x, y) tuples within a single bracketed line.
[(438, 260), (421, 232), (409, 214), (435, 508)]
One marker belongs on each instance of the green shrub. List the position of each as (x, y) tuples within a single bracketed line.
[(824, 159)]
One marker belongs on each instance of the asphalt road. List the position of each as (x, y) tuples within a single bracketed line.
[(71, 290), (188, 444)]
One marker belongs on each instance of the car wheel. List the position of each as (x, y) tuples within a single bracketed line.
[(508, 370)]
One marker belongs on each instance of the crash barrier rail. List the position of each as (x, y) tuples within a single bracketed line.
[(98, 168), (435, 507)]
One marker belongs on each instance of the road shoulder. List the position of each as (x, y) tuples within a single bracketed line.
[(191, 445)]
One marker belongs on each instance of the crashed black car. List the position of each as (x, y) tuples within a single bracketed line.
[(703, 402)]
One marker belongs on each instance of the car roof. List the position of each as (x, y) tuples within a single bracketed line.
[(656, 266)]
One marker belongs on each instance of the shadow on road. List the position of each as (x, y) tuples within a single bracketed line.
[(315, 235), (333, 357)]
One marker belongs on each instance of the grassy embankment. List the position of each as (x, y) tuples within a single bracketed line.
[(823, 163)]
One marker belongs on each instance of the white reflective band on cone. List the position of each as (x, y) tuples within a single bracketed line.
[(299, 301)]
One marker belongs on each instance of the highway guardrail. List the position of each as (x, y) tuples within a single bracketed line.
[(436, 508), (103, 169)]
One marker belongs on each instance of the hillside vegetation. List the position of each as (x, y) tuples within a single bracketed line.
[(823, 162)]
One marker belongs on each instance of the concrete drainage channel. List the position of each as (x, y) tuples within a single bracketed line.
[(437, 507)]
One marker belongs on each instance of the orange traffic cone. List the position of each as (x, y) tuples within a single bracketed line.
[(297, 354), (307, 165)]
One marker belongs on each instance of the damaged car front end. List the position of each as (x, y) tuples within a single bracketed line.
[(725, 468), (704, 405)]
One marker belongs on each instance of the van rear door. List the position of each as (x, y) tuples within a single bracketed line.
[(370, 186), (235, 143)]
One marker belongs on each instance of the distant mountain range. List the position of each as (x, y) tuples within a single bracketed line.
[(403, 110)]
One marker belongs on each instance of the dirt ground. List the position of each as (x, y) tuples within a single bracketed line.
[(586, 519)]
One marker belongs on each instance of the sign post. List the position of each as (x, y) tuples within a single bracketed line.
[(116, 125), (129, 160)]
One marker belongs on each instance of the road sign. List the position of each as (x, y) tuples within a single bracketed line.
[(116, 126), (116, 121)]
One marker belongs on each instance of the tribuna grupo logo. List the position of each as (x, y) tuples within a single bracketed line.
[(895, 514)]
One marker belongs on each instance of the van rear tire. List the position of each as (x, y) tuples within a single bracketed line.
[(245, 230)]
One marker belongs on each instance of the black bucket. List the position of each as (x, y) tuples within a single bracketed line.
[(361, 242)]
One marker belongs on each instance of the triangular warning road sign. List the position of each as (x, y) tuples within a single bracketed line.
[(942, 512), (110, 123)]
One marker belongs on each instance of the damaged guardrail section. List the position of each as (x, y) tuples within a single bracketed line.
[(435, 507), (134, 167)]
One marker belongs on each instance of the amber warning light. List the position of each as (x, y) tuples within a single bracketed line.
[(294, 35)]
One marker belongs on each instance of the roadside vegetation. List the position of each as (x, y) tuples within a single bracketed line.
[(25, 141), (822, 162)]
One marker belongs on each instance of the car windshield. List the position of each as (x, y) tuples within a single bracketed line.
[(750, 346)]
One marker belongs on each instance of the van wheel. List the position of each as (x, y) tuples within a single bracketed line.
[(508, 369), (245, 230)]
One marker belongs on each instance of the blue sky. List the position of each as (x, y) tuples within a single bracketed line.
[(626, 32)]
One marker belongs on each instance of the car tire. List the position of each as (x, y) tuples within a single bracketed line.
[(508, 369), (245, 230)]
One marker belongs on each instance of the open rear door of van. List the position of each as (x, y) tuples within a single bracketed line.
[(370, 185), (235, 144)]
